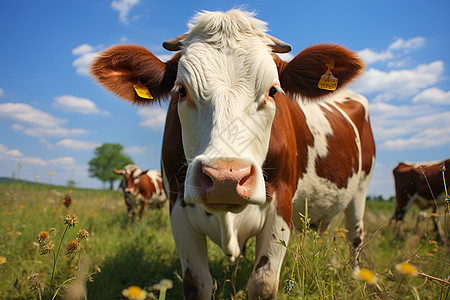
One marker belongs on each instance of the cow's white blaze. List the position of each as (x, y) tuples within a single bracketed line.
[(226, 113)]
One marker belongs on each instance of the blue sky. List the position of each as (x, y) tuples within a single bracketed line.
[(53, 115)]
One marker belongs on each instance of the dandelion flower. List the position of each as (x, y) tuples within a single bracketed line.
[(2, 260), (407, 269), (134, 293), (73, 247), (42, 236), (365, 275), (71, 220)]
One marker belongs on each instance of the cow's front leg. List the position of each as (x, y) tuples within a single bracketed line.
[(191, 247), (263, 282)]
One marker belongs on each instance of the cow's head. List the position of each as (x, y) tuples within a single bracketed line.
[(132, 179), (226, 79)]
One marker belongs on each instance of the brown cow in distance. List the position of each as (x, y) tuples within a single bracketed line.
[(130, 200), (421, 184), (146, 186)]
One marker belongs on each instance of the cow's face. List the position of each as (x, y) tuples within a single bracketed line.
[(226, 107)]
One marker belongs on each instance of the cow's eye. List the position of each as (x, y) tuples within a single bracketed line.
[(182, 91), (273, 91)]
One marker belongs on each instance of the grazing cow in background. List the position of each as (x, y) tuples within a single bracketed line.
[(421, 184), (148, 188), (130, 200), (250, 140)]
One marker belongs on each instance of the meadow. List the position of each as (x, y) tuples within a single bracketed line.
[(118, 254)]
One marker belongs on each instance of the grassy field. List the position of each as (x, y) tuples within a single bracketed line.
[(118, 254)]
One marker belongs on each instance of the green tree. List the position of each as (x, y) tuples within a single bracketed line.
[(107, 157)]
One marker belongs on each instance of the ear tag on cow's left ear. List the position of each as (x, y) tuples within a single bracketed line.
[(328, 81), (142, 91)]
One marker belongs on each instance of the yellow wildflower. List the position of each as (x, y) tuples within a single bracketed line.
[(407, 269), (2, 260), (134, 293), (365, 275)]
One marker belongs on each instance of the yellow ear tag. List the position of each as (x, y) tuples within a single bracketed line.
[(328, 81), (142, 91)]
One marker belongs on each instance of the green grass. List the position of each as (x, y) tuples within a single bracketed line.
[(144, 253)]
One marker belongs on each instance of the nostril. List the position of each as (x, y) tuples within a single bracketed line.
[(204, 180), (246, 180)]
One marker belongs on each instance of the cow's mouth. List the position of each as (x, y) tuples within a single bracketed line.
[(224, 207)]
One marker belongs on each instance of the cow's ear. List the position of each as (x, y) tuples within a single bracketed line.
[(303, 73), (134, 73)]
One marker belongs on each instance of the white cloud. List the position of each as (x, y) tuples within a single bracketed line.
[(369, 56), (433, 96), (87, 54), (413, 43), (82, 49), (77, 144), (5, 151), (62, 161), (424, 139), (400, 83), (42, 124), (25, 113), (398, 47), (124, 7), (17, 127), (82, 63), (55, 132), (152, 117), (77, 104)]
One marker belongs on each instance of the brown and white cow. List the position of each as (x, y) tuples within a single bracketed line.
[(130, 200), (248, 138), (142, 186), (421, 184)]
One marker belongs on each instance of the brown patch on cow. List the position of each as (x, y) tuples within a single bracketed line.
[(262, 262), (287, 156), (172, 154), (190, 289), (342, 160)]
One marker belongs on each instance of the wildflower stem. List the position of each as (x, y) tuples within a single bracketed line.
[(433, 278), (55, 257), (162, 293), (62, 285)]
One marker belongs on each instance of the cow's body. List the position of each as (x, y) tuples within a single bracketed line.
[(245, 144), (421, 184), (141, 186)]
